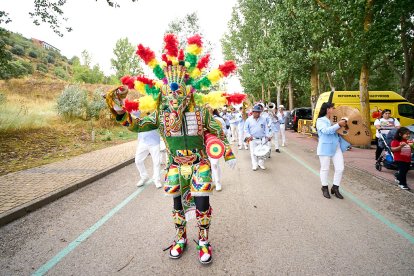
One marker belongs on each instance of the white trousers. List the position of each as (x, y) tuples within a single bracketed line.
[(215, 170), (240, 127), (282, 131), (233, 128), (255, 161), (338, 161), (276, 139), (142, 152)]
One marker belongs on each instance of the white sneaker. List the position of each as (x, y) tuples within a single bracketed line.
[(262, 167), (218, 187), (254, 168), (240, 147), (157, 184), (283, 145), (142, 182)]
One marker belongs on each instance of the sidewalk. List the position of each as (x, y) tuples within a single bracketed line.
[(360, 159), (25, 191)]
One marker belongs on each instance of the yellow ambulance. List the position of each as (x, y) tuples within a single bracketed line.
[(400, 108)]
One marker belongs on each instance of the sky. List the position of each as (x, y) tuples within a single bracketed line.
[(97, 27)]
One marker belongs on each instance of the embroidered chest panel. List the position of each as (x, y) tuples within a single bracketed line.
[(191, 124)]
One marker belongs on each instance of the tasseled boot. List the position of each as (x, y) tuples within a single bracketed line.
[(203, 246), (180, 243)]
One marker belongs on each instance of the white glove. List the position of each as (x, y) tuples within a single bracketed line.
[(231, 163)]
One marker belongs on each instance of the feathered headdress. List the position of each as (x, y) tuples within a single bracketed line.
[(181, 73)]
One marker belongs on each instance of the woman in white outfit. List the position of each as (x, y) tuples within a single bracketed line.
[(330, 146)]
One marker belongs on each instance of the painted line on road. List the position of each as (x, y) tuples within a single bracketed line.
[(59, 256), (359, 203)]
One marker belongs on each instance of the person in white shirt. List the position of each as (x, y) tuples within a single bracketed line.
[(148, 143), (226, 117), (383, 126), (282, 118), (257, 132), (234, 121), (240, 127)]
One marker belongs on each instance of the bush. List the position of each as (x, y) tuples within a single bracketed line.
[(3, 98), (42, 68), (27, 66), (61, 73), (33, 54), (18, 50), (72, 103), (50, 59), (96, 104), (18, 69)]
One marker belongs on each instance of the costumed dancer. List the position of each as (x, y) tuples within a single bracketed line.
[(330, 146), (148, 143), (176, 111), (257, 133)]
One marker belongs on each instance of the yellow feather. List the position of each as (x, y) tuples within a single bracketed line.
[(147, 104), (140, 87), (214, 76), (215, 99), (195, 73), (193, 49), (153, 63)]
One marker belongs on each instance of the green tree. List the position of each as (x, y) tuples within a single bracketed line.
[(126, 61)]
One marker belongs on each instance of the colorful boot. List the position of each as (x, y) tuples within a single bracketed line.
[(204, 247), (178, 246)]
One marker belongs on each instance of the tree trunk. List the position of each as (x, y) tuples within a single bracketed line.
[(263, 93), (268, 94), (314, 83), (290, 89), (364, 77), (279, 92), (329, 76), (408, 51)]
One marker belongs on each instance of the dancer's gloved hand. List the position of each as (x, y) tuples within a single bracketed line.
[(231, 163), (229, 157), (115, 99)]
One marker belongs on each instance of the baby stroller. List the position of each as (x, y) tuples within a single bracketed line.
[(387, 157)]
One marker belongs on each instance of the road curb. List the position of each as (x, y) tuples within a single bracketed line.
[(33, 205)]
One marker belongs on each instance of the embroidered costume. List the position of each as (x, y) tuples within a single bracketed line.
[(175, 106)]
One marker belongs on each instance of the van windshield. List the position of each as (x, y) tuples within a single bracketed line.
[(406, 110)]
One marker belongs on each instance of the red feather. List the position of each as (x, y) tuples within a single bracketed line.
[(236, 98), (145, 80), (227, 67), (171, 45), (164, 57), (128, 81), (131, 106), (145, 53), (181, 55), (202, 63), (196, 39)]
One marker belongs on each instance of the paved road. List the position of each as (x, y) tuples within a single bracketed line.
[(264, 223)]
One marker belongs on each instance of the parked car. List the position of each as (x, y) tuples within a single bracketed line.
[(300, 113), (288, 120)]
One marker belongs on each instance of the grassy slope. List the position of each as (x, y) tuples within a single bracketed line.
[(32, 134)]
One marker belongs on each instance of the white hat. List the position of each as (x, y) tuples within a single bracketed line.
[(282, 106)]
